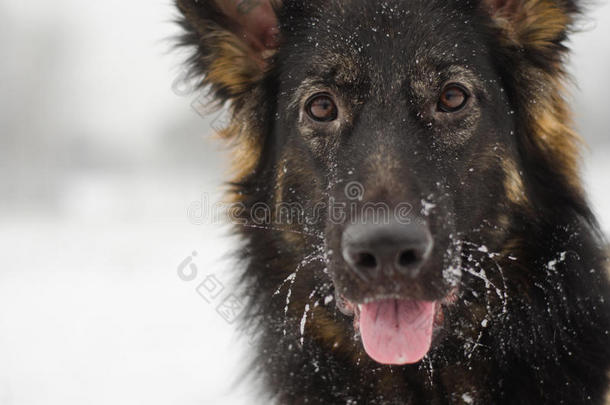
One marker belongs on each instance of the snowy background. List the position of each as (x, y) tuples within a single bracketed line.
[(101, 157)]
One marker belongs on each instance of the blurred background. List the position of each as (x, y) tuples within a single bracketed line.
[(109, 291)]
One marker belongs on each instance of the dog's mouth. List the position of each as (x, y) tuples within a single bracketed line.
[(394, 330), (388, 279)]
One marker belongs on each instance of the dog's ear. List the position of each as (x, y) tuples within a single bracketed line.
[(532, 35), (233, 42), (232, 38), (536, 25)]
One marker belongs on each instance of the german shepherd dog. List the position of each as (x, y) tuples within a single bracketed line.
[(414, 228)]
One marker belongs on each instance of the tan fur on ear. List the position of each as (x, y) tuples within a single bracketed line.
[(551, 123), (234, 67), (230, 49), (225, 58), (533, 32), (530, 23)]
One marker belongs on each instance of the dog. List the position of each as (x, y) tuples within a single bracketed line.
[(413, 225)]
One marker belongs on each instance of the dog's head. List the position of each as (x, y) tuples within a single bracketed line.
[(402, 131)]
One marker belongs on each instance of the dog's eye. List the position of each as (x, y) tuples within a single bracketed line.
[(322, 108), (453, 98)]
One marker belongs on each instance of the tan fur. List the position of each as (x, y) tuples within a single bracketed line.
[(531, 23), (513, 183), (234, 66), (536, 25), (551, 123), (332, 334), (236, 69), (246, 147), (290, 234)]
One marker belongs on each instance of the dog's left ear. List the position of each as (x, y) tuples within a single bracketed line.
[(232, 38), (537, 25), (532, 46), (233, 42)]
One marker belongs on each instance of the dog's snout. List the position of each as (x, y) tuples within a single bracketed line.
[(372, 250)]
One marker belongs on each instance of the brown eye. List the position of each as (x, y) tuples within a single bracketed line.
[(322, 108), (453, 98)]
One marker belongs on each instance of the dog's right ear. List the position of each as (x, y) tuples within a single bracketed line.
[(233, 41)]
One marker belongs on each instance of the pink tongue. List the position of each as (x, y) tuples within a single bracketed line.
[(397, 331)]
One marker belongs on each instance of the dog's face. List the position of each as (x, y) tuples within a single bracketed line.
[(395, 129), (397, 115)]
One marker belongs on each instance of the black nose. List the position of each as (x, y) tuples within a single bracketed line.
[(374, 249)]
